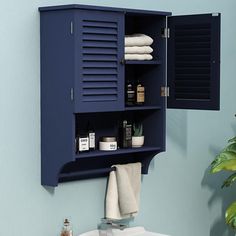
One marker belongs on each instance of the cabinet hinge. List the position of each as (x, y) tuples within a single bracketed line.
[(71, 27), (165, 33), (72, 94), (164, 91)]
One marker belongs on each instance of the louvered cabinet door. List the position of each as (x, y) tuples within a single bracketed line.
[(99, 43), (194, 62)]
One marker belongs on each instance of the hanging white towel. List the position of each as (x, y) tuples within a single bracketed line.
[(138, 50), (141, 57), (138, 40), (123, 190)]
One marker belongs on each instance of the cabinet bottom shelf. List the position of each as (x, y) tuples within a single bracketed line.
[(120, 151), (84, 168)]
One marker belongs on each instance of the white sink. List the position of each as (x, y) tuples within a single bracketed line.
[(134, 231)]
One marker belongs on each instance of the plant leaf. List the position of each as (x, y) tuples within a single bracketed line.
[(232, 140), (230, 215), (226, 160), (229, 181), (231, 147)]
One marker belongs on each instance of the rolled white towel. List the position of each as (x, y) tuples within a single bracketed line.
[(138, 50), (140, 57), (138, 40)]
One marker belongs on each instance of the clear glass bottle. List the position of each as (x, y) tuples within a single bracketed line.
[(66, 229)]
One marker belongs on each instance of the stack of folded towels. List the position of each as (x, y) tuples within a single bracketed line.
[(137, 47)]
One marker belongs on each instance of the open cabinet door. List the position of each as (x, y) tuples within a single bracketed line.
[(193, 67)]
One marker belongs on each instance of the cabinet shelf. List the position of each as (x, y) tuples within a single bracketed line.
[(98, 153), (137, 108), (86, 174), (134, 62), (100, 167)]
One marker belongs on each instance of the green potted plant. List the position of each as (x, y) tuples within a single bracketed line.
[(226, 160), (137, 138)]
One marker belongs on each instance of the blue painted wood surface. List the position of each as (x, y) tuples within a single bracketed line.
[(99, 47), (194, 62), (101, 8), (57, 78)]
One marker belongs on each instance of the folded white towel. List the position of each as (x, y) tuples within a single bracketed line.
[(138, 40), (141, 57), (123, 190), (138, 50)]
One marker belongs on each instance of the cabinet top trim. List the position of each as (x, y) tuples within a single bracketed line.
[(101, 8)]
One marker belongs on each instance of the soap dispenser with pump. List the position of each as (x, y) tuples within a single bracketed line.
[(66, 229)]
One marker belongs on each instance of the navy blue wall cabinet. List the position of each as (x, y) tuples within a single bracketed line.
[(83, 75)]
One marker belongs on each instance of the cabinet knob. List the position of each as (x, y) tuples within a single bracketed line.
[(122, 61)]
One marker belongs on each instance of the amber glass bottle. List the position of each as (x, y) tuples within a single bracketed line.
[(140, 93)]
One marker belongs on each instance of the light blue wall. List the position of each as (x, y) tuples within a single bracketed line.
[(178, 197)]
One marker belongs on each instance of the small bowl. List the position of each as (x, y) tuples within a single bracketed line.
[(137, 141)]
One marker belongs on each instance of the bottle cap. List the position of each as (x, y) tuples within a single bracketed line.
[(66, 222)]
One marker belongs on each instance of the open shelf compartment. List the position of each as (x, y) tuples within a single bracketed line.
[(98, 163), (152, 77), (151, 26)]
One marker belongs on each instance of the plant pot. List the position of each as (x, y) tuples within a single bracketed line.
[(137, 141)]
